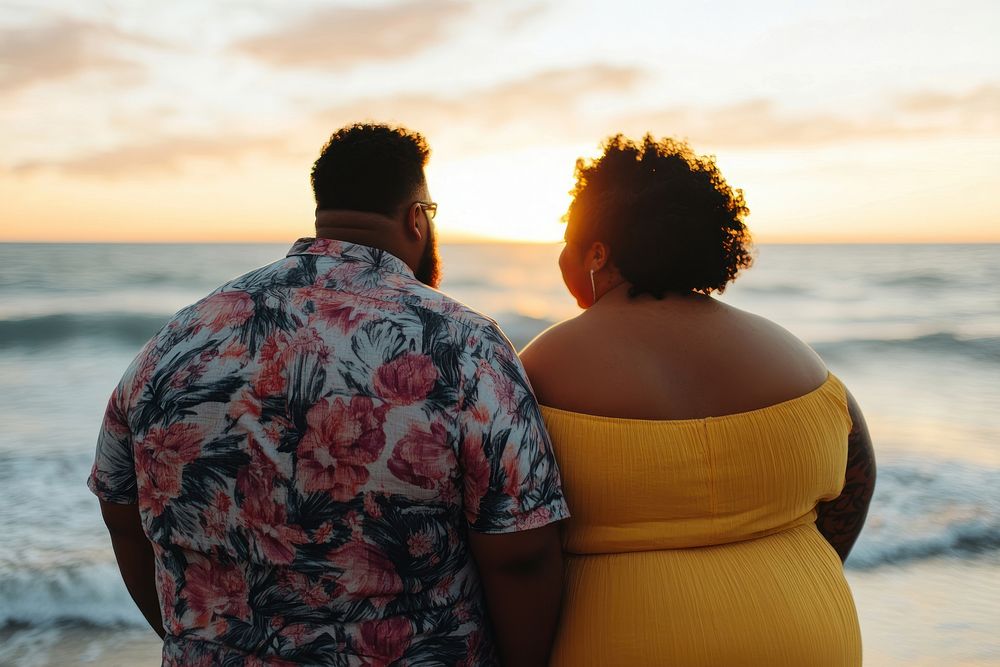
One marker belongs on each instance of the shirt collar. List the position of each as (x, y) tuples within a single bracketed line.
[(345, 251)]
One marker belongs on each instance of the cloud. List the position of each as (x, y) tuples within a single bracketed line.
[(534, 109), (978, 109), (754, 123), (522, 17), (341, 37), (163, 155), (57, 51), (556, 106), (762, 124), (547, 106), (567, 105)]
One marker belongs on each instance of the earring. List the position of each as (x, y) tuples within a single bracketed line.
[(593, 286)]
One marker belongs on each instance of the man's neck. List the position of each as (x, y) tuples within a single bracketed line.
[(361, 227)]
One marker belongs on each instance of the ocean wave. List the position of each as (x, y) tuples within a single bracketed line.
[(980, 349), (773, 289), (80, 594), (137, 328), (921, 510), (46, 330), (921, 280), (925, 510)]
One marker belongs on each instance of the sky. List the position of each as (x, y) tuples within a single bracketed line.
[(874, 121)]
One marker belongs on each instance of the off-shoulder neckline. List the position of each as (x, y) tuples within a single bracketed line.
[(830, 379)]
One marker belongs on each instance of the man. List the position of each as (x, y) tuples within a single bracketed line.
[(300, 467)]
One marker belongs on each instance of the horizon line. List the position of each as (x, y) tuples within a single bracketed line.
[(492, 241)]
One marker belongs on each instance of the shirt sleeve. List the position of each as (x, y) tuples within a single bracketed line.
[(510, 476), (112, 478)]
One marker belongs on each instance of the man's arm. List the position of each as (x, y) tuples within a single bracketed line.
[(513, 498), (135, 559), (522, 579), (840, 520)]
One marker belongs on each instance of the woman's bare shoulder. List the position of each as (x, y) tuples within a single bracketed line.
[(548, 354), (551, 344), (777, 345)]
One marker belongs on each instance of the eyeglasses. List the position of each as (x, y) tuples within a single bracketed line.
[(430, 208)]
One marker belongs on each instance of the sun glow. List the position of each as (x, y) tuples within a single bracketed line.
[(511, 196), (194, 122), (520, 195)]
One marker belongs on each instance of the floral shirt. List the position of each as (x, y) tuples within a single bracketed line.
[(307, 447)]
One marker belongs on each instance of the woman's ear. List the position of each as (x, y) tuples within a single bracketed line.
[(597, 256)]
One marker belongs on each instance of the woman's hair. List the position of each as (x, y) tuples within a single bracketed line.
[(671, 221)]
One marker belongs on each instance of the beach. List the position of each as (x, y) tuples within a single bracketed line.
[(917, 604)]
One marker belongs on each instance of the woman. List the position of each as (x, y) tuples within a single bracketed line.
[(704, 450)]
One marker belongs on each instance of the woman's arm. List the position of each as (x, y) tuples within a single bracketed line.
[(840, 520)]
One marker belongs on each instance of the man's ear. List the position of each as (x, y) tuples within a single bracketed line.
[(412, 222)]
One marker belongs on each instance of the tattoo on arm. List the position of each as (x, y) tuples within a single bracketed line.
[(840, 520)]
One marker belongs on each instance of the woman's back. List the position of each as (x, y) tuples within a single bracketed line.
[(695, 441), (640, 485), (676, 358)]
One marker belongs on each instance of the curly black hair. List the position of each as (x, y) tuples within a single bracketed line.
[(369, 167), (671, 222)]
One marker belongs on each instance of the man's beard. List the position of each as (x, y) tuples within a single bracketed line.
[(429, 270)]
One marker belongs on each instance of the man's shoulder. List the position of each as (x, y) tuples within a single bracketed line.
[(251, 283), (447, 306), (238, 297), (231, 299)]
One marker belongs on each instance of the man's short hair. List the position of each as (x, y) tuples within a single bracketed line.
[(370, 167)]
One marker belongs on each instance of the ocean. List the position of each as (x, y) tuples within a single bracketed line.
[(913, 330)]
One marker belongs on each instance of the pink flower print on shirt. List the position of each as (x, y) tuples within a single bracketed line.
[(310, 590), (536, 519), (160, 461), (246, 406), (512, 470), (266, 521), (372, 508), (503, 387), (420, 544), (406, 379), (476, 474), (166, 590), (332, 308), (272, 376), (323, 534), (281, 352), (225, 309), (215, 518), (384, 641), (367, 572), (342, 439), (213, 589), (421, 457)]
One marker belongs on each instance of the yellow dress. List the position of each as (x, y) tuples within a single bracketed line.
[(693, 541)]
